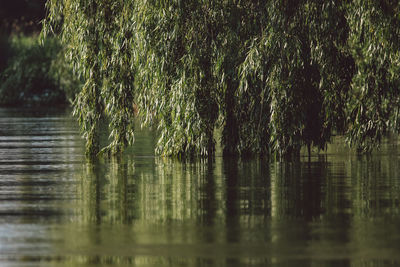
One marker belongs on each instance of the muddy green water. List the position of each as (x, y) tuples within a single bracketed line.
[(56, 209)]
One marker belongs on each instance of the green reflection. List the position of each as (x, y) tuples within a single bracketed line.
[(189, 212), (147, 211), (139, 210)]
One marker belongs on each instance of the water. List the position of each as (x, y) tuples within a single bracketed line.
[(57, 209)]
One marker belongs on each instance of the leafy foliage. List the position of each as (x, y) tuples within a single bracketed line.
[(375, 44), (34, 74), (275, 76)]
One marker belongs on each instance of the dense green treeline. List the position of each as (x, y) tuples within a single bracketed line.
[(18, 17), (274, 76), (35, 74), (31, 73)]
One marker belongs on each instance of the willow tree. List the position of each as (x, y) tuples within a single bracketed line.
[(301, 71), (274, 75), (156, 55), (175, 47), (374, 43), (98, 39)]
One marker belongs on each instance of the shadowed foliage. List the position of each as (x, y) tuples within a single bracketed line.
[(274, 76)]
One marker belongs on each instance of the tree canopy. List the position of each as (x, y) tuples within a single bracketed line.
[(272, 75)]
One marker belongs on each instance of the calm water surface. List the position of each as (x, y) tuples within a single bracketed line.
[(57, 209)]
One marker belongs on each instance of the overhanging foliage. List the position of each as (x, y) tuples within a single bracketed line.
[(274, 75)]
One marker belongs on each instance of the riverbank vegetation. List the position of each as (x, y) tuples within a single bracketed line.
[(274, 76), (31, 73), (35, 74)]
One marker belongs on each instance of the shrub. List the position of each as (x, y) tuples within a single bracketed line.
[(35, 74)]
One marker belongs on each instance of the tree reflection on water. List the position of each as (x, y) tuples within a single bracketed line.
[(217, 212)]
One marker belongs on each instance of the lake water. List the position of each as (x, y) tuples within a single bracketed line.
[(57, 209)]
